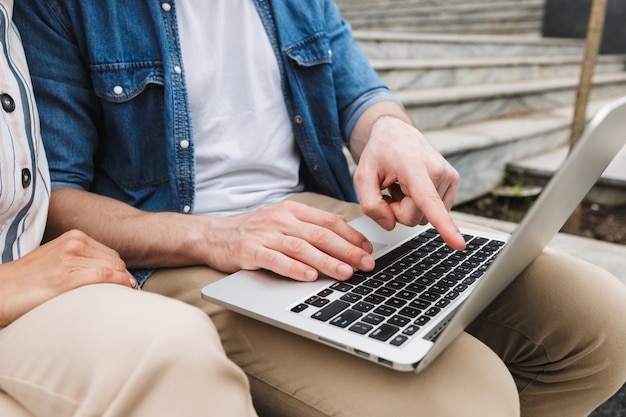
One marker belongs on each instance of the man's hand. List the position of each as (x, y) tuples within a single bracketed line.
[(289, 238), (420, 184), (61, 265)]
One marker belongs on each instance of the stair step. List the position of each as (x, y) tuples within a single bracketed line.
[(481, 151), (610, 190), (407, 74), (386, 44), (501, 17), (384, 5), (450, 106)]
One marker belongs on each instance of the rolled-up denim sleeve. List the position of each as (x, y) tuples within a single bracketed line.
[(356, 109)]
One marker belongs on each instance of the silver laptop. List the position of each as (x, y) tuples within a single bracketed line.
[(422, 294)]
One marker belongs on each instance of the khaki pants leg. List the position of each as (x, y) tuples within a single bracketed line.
[(10, 408), (106, 350), (561, 329), (292, 376)]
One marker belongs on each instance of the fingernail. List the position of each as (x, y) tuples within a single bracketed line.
[(344, 271), (310, 275), (134, 284), (367, 263)]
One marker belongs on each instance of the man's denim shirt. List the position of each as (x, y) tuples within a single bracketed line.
[(109, 80)]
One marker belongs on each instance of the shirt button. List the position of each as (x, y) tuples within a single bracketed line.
[(26, 177), (166, 7), (178, 70), (186, 209), (184, 143), (8, 105), (118, 90), (298, 119)]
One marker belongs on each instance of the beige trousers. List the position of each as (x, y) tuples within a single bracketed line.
[(108, 351), (551, 345)]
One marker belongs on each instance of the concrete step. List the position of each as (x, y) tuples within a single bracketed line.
[(355, 5), (610, 190), (477, 17), (386, 44), (450, 106), (481, 151), (406, 74)]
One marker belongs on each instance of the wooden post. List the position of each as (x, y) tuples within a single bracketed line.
[(592, 47)]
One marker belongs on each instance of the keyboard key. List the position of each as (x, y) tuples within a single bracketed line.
[(374, 299), (395, 302), (373, 319), (373, 283), (411, 330), (385, 291), (410, 312), (345, 318), (341, 286), (398, 321), (351, 297), (432, 312), (422, 320), (398, 340), (361, 328), (386, 260), (317, 301), (357, 278), (363, 306), (430, 296), (419, 304), (330, 310), (406, 295), (385, 310), (299, 308), (362, 290), (384, 332)]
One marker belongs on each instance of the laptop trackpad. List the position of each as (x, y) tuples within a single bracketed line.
[(378, 248)]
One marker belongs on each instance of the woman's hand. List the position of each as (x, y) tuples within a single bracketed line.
[(63, 264)]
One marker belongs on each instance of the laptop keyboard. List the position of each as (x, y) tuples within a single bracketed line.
[(407, 289)]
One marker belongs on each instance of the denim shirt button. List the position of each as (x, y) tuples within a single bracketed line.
[(298, 119), (330, 53), (118, 90), (316, 167), (186, 209), (184, 143), (166, 7), (178, 70)]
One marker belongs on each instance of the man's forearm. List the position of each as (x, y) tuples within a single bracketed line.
[(361, 131), (143, 239)]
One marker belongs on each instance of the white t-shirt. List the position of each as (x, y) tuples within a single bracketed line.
[(245, 152)]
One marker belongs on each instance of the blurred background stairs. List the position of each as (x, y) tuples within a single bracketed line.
[(481, 82)]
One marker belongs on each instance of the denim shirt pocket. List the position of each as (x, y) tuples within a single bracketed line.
[(311, 64), (133, 145), (311, 51)]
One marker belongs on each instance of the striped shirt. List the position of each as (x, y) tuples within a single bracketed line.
[(24, 179)]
